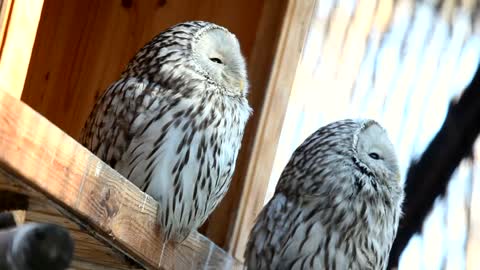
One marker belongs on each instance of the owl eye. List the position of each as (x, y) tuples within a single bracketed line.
[(374, 155), (216, 60)]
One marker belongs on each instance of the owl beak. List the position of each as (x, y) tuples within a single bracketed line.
[(241, 85)]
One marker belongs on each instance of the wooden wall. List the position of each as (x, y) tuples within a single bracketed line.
[(83, 45)]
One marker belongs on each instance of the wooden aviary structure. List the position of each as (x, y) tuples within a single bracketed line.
[(65, 182), (56, 57)]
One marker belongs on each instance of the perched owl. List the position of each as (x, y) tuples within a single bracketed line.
[(173, 123), (336, 206)]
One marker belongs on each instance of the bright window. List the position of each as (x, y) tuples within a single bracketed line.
[(400, 63)]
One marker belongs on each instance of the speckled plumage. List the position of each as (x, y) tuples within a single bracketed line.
[(173, 123), (336, 206)]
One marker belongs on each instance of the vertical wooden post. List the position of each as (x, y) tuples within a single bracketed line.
[(294, 31), (20, 24)]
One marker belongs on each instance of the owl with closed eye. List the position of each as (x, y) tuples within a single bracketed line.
[(336, 206), (173, 122)]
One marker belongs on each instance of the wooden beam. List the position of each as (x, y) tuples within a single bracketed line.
[(37, 153), (290, 47), (17, 43), (90, 253)]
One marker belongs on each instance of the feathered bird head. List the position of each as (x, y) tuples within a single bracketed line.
[(343, 160), (195, 53)]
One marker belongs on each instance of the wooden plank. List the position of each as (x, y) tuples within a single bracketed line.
[(18, 44), (87, 248), (39, 154), (294, 31)]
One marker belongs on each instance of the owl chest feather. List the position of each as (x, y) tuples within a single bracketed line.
[(299, 235), (353, 236), (184, 156), (172, 124)]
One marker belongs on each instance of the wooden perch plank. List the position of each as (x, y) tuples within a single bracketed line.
[(39, 154), (90, 253)]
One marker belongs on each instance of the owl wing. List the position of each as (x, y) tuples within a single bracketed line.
[(124, 108), (145, 133), (270, 234)]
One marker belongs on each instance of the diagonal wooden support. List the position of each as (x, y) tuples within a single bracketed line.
[(39, 155), (89, 253)]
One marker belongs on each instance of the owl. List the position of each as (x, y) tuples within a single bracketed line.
[(336, 206), (173, 123)]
